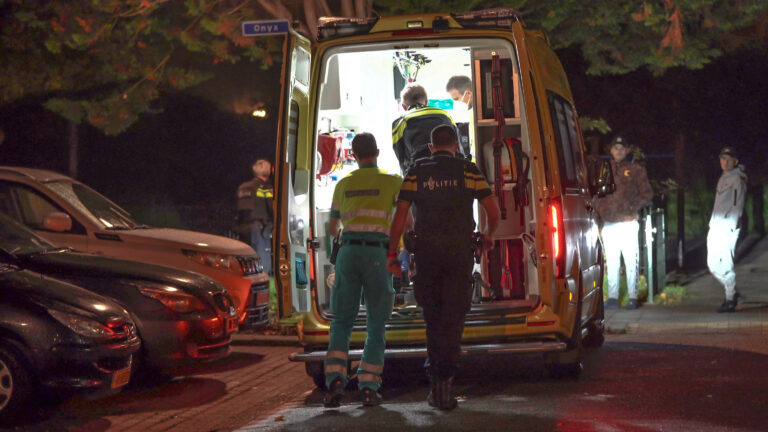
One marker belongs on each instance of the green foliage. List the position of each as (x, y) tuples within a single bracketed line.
[(98, 53), (104, 62), (671, 294), (589, 124)]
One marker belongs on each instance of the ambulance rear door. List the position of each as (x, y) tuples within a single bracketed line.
[(292, 180)]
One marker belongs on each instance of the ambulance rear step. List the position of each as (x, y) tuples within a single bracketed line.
[(416, 352)]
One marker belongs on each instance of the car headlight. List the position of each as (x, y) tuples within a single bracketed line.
[(217, 261), (173, 299), (82, 325)]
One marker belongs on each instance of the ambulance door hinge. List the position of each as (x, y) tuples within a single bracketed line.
[(313, 243)]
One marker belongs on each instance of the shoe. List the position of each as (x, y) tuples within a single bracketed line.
[(738, 298), (727, 306), (612, 303), (441, 396), (371, 397), (335, 393), (631, 304)]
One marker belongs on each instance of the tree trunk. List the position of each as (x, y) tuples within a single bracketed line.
[(74, 142), (680, 179)]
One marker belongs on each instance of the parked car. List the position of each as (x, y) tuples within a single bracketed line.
[(540, 288), (181, 317), (69, 213), (56, 337)]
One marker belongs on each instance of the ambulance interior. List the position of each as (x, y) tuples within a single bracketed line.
[(360, 91)]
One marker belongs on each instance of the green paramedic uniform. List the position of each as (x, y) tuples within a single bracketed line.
[(363, 201)]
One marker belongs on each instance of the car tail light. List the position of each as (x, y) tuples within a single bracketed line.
[(558, 238)]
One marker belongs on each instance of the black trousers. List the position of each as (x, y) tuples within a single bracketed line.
[(443, 289)]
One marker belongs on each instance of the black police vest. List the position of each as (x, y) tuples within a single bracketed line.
[(443, 204)]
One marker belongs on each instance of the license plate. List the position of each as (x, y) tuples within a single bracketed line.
[(231, 325), (262, 297), (121, 377)]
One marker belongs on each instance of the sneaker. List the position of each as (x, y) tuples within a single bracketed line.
[(738, 298), (335, 394), (631, 304), (612, 303), (371, 397), (727, 306)]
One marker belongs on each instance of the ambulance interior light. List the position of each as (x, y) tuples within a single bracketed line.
[(332, 27), (487, 18)]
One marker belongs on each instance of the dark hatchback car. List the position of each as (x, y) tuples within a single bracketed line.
[(57, 337), (181, 317)]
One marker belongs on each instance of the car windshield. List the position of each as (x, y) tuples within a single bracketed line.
[(94, 205), (17, 240)]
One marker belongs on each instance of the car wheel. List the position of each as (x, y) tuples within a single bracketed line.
[(315, 370), (15, 385)]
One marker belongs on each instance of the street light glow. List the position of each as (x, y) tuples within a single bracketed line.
[(261, 113)]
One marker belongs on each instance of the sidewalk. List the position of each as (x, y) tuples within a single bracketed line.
[(696, 313)]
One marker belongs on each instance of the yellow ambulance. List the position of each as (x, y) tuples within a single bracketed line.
[(539, 290)]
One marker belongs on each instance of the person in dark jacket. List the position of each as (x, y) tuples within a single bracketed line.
[(619, 213), (410, 132), (443, 189), (254, 211)]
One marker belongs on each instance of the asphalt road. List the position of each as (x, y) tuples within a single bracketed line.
[(625, 386)]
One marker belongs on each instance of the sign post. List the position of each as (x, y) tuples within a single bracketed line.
[(265, 28)]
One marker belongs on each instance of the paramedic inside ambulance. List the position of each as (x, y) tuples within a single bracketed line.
[(460, 89), (410, 132)]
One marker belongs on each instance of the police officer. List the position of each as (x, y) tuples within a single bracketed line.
[(410, 132), (254, 211), (442, 190), (363, 201)]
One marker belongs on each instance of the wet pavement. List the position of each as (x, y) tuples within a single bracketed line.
[(678, 366)]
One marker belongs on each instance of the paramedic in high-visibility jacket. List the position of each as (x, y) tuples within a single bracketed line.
[(724, 226), (442, 190), (363, 201), (410, 132)]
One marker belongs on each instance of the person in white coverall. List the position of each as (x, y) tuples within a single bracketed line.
[(724, 226), (619, 213)]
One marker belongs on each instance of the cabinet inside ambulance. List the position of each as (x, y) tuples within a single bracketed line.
[(360, 91)]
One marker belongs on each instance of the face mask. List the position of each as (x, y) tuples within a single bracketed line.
[(460, 106)]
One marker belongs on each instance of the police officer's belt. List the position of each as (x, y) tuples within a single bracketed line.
[(357, 242)]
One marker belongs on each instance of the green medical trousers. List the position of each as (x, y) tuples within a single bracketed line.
[(361, 268)]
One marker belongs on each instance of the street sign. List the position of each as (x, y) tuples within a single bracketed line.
[(265, 28)]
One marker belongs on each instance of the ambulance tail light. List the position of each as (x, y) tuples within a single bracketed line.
[(333, 27), (488, 18), (558, 237)]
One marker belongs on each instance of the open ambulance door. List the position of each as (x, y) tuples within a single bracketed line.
[(541, 161), (569, 242), (292, 180)]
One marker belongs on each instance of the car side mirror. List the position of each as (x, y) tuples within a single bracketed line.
[(57, 222), (601, 178)]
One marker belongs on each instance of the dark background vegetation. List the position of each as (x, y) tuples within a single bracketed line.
[(180, 164)]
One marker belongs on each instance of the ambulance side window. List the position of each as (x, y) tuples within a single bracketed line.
[(570, 158)]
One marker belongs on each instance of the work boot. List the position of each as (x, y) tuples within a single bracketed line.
[(612, 303), (631, 304), (727, 306), (443, 396), (371, 397), (432, 397), (335, 393)]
